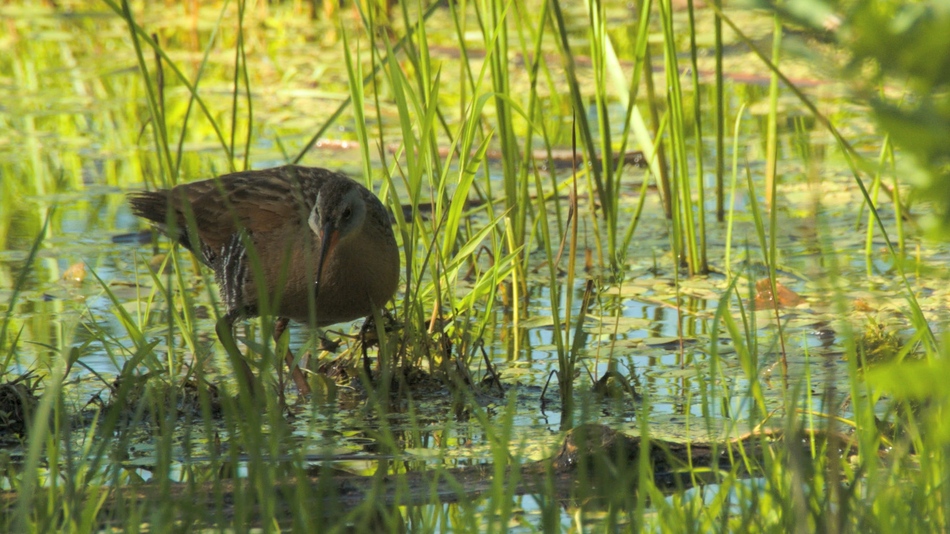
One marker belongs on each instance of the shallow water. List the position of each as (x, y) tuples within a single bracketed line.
[(73, 161)]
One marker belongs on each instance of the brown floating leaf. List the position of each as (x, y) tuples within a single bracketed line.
[(862, 305), (75, 273), (155, 263), (786, 297)]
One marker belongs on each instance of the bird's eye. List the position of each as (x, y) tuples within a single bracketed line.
[(346, 214)]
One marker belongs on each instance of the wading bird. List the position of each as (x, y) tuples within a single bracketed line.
[(300, 243)]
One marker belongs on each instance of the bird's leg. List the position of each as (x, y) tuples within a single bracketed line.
[(369, 326), (366, 367), (225, 330), (299, 379)]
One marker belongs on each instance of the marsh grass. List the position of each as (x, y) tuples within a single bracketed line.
[(466, 264)]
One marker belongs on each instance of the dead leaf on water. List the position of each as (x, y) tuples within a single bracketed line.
[(786, 297), (75, 273)]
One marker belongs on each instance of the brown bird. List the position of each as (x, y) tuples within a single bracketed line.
[(300, 243)]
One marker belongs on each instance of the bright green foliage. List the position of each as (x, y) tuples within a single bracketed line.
[(589, 273)]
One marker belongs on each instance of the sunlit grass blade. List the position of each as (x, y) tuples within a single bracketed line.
[(582, 126)]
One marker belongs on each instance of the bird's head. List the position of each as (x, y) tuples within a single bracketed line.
[(337, 216)]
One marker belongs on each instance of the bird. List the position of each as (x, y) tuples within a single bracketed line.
[(305, 244)]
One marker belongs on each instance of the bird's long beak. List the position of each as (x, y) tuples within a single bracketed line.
[(329, 239)]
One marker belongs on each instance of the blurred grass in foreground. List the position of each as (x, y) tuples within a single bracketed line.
[(187, 93)]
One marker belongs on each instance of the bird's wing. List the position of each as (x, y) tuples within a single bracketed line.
[(260, 202)]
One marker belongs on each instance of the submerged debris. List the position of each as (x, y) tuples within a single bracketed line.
[(17, 403), (878, 344), (139, 397)]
